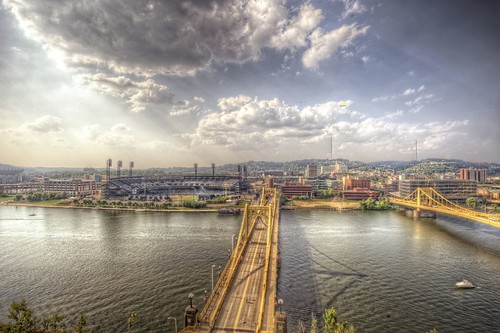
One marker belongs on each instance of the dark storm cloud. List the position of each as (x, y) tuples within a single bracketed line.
[(170, 37)]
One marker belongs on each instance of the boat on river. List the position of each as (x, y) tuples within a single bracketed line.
[(465, 284)]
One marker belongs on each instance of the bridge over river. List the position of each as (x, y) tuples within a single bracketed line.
[(428, 199), (244, 298)]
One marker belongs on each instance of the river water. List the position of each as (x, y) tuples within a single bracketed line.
[(382, 271)]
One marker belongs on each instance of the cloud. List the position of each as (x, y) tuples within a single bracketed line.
[(116, 137), (352, 7), (44, 124), (294, 34), (323, 45), (383, 98), (165, 37), (409, 91), (139, 95), (242, 119), (244, 123)]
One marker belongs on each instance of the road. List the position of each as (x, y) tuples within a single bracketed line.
[(240, 310)]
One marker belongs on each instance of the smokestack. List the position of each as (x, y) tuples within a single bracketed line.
[(213, 169), (196, 169)]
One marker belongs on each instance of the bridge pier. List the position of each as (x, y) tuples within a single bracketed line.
[(420, 213)]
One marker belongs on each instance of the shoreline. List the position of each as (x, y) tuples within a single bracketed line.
[(295, 205), (137, 210)]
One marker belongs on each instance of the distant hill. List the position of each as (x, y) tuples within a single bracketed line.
[(8, 166)]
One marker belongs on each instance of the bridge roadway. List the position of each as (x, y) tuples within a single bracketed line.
[(244, 298)]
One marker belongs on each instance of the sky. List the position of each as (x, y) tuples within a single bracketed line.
[(171, 83)]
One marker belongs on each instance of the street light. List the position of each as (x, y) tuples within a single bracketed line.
[(280, 303), (213, 266), (175, 322), (191, 296), (232, 243)]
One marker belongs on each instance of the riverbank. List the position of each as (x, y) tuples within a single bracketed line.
[(316, 204), (319, 204), (41, 205)]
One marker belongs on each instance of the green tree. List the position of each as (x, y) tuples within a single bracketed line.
[(471, 202), (23, 319), (54, 322), (81, 325), (314, 324), (131, 320), (332, 325)]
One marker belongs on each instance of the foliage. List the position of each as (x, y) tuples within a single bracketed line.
[(314, 324), (53, 323), (332, 325), (371, 204), (471, 202), (23, 320), (131, 320), (194, 204), (41, 196), (218, 200), (324, 194), (81, 325), (300, 197)]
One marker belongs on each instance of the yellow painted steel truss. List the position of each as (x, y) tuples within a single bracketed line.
[(427, 198)]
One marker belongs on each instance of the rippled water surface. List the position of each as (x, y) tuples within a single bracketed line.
[(385, 272), (382, 271)]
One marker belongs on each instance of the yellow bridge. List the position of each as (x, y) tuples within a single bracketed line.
[(427, 198), (244, 298)]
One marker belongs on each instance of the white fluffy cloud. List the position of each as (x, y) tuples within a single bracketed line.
[(118, 136), (352, 7), (242, 121), (137, 94), (44, 124), (323, 45)]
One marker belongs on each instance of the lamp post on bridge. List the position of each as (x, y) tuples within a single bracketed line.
[(232, 243), (213, 266), (175, 322)]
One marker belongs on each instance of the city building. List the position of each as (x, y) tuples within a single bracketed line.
[(452, 189), (340, 168), (478, 175), (311, 171), (360, 194), (292, 190), (326, 169), (354, 183)]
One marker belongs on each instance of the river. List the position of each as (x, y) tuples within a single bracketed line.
[(382, 271)]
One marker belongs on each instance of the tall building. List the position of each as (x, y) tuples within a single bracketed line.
[(326, 169), (312, 171), (340, 168), (351, 183), (478, 175), (454, 189)]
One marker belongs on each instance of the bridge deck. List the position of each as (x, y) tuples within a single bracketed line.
[(244, 297)]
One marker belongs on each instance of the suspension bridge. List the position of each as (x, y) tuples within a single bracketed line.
[(428, 199)]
